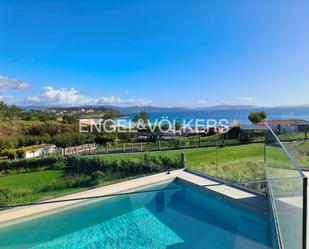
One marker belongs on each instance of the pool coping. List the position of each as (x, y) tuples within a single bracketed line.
[(243, 196), (15, 215)]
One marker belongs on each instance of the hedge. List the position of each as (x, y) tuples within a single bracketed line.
[(147, 164), (33, 163)]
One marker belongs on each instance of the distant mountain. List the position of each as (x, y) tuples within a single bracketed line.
[(150, 109), (34, 108), (69, 108), (133, 109), (228, 107), (181, 109)]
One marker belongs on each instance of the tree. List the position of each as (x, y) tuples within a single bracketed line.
[(107, 115), (3, 110), (70, 120), (142, 115), (102, 138), (177, 126), (256, 117), (14, 112), (72, 139)]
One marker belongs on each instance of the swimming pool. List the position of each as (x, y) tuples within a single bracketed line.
[(177, 215)]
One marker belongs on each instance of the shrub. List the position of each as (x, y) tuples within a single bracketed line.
[(57, 165), (74, 181), (11, 154), (70, 181), (169, 162), (72, 139), (8, 143), (52, 186), (89, 165), (97, 177), (33, 163), (233, 133), (21, 153), (5, 196)]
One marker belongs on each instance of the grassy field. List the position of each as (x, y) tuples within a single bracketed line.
[(41, 185), (33, 186), (236, 163), (233, 163), (300, 151)]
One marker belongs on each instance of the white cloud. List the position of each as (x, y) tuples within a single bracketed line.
[(60, 96), (117, 100), (246, 100), (71, 97), (7, 83), (202, 103), (6, 98)]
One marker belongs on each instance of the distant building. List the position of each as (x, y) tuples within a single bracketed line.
[(192, 131), (41, 150), (285, 125), (142, 138), (72, 113), (50, 111), (89, 110), (235, 123)]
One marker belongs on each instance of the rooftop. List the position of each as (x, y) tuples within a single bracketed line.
[(283, 122)]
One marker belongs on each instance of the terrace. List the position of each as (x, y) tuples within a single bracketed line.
[(263, 205)]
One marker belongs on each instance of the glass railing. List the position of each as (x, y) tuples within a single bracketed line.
[(174, 214), (268, 168), (234, 164), (298, 145), (287, 188)]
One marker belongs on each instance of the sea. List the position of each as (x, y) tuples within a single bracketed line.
[(232, 115)]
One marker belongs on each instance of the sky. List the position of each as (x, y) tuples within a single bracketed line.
[(167, 53)]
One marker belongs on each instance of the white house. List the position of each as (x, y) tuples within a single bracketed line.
[(42, 150)]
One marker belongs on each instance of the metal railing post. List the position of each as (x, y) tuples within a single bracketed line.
[(305, 199), (182, 162)]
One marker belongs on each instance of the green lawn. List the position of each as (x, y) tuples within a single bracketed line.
[(236, 163), (31, 187), (232, 163), (27, 187), (32, 180)]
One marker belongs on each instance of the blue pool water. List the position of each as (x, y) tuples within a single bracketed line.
[(179, 217)]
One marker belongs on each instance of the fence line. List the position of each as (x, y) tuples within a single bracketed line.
[(78, 149)]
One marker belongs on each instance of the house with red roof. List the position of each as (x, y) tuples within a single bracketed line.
[(284, 125)]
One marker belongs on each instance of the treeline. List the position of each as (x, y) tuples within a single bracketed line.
[(60, 140), (30, 164), (88, 165), (19, 128), (10, 112), (21, 134)]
